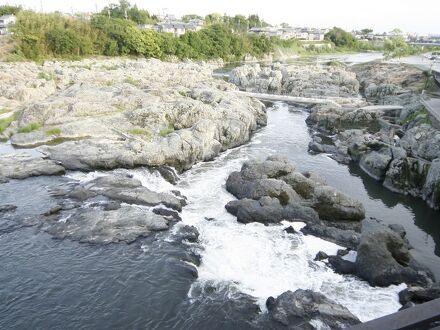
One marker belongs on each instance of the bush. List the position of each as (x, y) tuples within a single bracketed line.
[(53, 131), (5, 122), (165, 131), (29, 128), (341, 38)]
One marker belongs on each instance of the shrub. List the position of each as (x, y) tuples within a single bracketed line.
[(53, 131), (165, 131), (5, 122), (29, 128), (144, 133)]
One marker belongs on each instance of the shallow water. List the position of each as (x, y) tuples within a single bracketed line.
[(48, 283)]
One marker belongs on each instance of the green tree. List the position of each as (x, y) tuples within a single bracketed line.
[(9, 10), (341, 38)]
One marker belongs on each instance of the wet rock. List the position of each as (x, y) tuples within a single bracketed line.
[(299, 309), (259, 179), (3, 180), (422, 141), (304, 186), (407, 176), (342, 252), (375, 163), (383, 259), (248, 210), (126, 190), (347, 238), (168, 213), (53, 210), (7, 208), (419, 295), (168, 174), (189, 233), (342, 266), (21, 166), (431, 187), (320, 256), (290, 230), (334, 206), (126, 224), (407, 305), (111, 206)]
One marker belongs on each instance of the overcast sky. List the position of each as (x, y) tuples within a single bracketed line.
[(421, 16)]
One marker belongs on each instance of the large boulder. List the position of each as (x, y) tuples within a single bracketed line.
[(334, 206), (126, 190), (21, 166), (345, 237), (431, 188), (304, 309), (375, 163), (422, 141), (269, 210), (383, 258), (93, 225)]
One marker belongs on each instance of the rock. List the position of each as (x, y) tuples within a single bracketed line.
[(111, 206), (347, 238), (407, 305), (407, 176), (332, 119), (126, 190), (168, 174), (189, 233), (334, 206), (7, 208), (342, 266), (126, 224), (375, 163), (320, 256), (383, 259), (3, 180), (21, 166), (419, 295), (167, 213), (248, 210), (53, 210), (302, 185), (299, 309), (422, 141), (296, 80), (431, 187), (342, 252), (290, 230)]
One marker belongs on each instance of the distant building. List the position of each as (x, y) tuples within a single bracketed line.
[(287, 33), (175, 27), (5, 22)]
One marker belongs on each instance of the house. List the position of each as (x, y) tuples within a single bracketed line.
[(175, 27), (5, 22)]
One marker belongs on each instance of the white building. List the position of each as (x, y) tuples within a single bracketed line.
[(175, 27), (5, 22)]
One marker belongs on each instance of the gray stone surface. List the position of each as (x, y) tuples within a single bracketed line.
[(298, 310), (21, 166)]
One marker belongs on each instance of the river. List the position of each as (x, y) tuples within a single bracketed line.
[(52, 284)]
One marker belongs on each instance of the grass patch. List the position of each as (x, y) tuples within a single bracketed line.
[(46, 75), (4, 110), (420, 114), (334, 63), (144, 133), (5, 122), (53, 131), (165, 131), (29, 128), (132, 81)]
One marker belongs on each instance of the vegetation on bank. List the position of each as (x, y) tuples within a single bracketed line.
[(115, 31)]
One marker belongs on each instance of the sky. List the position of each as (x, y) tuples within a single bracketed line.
[(419, 16)]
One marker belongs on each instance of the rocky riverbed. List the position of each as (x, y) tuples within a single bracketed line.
[(389, 133), (316, 244)]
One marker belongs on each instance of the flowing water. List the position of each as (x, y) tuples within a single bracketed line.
[(52, 284)]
